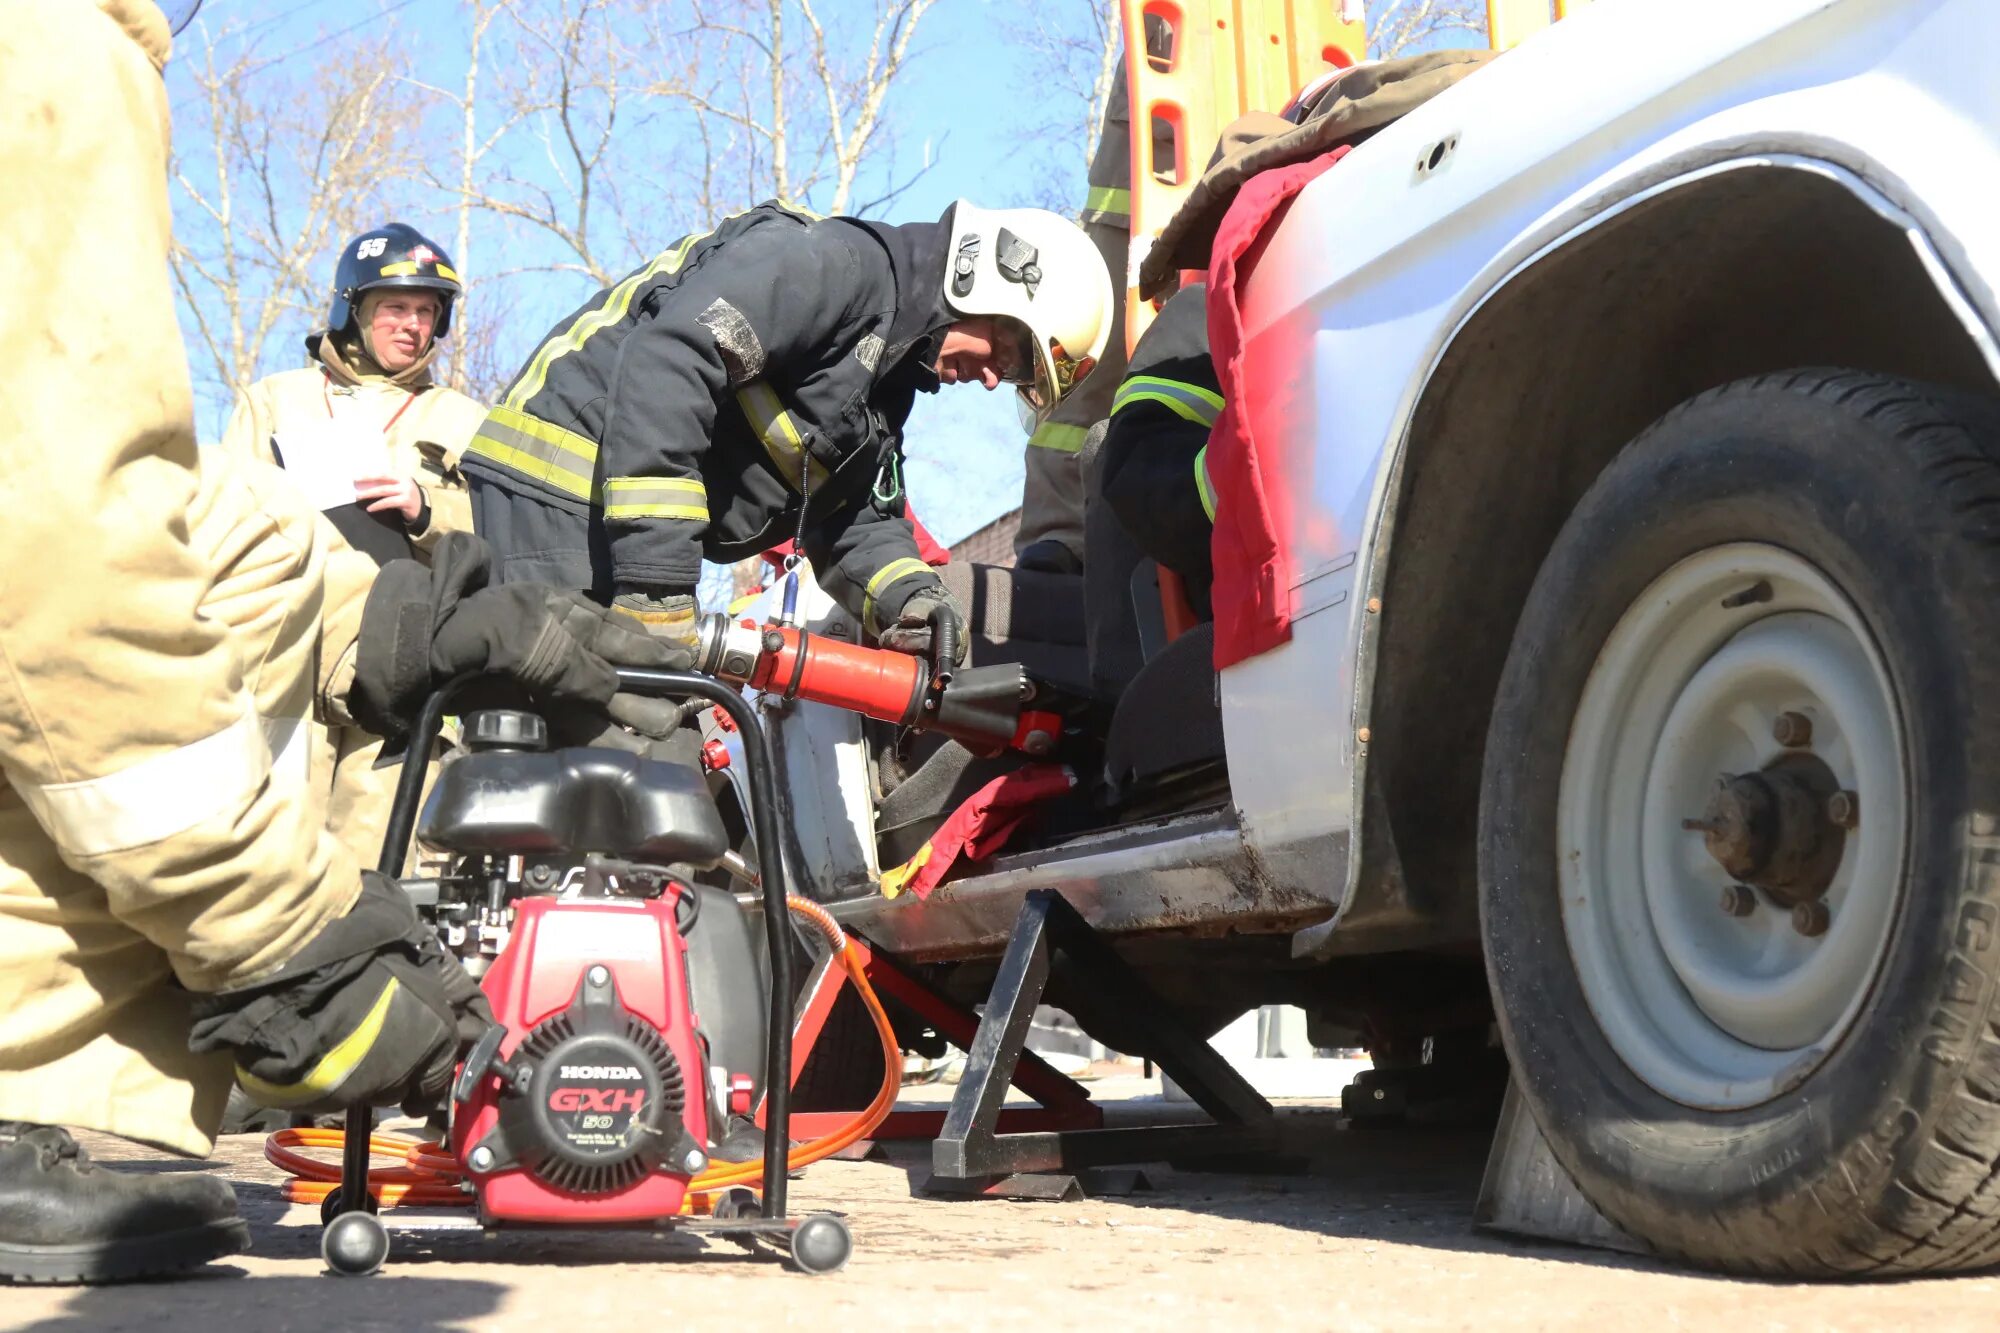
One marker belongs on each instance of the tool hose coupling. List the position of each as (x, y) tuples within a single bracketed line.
[(727, 651)]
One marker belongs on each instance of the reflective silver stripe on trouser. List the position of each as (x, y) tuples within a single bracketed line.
[(170, 793)]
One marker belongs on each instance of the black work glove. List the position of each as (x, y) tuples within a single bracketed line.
[(667, 616), (372, 1011), (421, 627), (912, 631)]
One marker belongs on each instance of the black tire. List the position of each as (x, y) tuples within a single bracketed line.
[(845, 1070), (1885, 1160)]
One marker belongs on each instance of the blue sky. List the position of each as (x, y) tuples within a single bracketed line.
[(974, 101), (959, 105)]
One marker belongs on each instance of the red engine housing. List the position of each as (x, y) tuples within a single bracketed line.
[(536, 977)]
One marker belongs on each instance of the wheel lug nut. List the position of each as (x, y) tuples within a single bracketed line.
[(1844, 808), (1739, 900), (1811, 918), (1792, 730)]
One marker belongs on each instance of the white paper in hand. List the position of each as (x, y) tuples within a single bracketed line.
[(324, 458)]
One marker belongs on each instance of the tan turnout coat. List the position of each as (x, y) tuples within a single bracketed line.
[(428, 428), (167, 630)]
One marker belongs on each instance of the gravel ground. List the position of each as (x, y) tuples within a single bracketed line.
[(1378, 1235)]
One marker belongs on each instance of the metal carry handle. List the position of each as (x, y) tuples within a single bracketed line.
[(764, 823)]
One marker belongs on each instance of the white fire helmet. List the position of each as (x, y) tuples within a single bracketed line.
[(1041, 271)]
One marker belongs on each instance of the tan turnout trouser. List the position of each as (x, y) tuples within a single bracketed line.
[(164, 634)]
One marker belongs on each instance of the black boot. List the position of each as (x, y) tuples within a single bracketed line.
[(64, 1219)]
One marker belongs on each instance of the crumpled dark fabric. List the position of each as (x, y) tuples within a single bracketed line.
[(1355, 105)]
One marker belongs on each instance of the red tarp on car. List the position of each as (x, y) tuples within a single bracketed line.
[(1253, 574), (979, 827)]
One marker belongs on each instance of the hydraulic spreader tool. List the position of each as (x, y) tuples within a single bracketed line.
[(986, 709)]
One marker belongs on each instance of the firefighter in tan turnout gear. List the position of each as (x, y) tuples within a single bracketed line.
[(368, 400), (367, 394), (172, 909)]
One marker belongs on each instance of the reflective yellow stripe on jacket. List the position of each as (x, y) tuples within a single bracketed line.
[(780, 434), (1203, 486), (1191, 402), (1056, 435), (655, 497), (616, 306), (888, 574), (537, 450), (1106, 203)]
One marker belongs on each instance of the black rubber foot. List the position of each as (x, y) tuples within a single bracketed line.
[(354, 1244), (734, 1205), (821, 1243)]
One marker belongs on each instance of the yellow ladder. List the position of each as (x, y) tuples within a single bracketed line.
[(1224, 57), (1509, 22)]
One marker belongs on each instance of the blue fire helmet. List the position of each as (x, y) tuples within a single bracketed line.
[(393, 255)]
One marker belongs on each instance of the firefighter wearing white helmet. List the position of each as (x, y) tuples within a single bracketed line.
[(748, 386), (1038, 270)]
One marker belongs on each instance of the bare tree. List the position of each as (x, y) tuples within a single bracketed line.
[(277, 172), (1074, 48), (471, 365), (537, 148), (622, 123), (796, 101), (1402, 27)]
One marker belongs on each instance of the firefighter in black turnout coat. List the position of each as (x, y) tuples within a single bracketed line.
[(749, 386)]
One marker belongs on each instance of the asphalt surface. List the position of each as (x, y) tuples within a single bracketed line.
[(1378, 1234)]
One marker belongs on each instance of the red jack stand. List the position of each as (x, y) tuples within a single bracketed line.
[(1065, 1103)]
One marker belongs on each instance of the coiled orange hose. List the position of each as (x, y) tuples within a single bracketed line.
[(426, 1174)]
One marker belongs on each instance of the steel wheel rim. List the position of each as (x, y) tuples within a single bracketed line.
[(1713, 1010)]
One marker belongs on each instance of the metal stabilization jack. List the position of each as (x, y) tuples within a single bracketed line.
[(971, 1156)]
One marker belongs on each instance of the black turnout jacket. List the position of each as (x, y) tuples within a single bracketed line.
[(747, 386), (1154, 469)]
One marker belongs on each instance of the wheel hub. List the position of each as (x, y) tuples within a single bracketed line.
[(1770, 829), (1724, 968)]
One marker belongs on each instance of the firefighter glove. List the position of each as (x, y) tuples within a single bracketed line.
[(422, 627), (670, 619), (372, 1011), (912, 632)]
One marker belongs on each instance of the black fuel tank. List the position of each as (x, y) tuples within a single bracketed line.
[(574, 800)]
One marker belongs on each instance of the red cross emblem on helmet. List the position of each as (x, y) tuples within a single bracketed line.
[(423, 254)]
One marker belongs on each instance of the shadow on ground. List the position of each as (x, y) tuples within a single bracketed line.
[(1402, 1184), (404, 1305)]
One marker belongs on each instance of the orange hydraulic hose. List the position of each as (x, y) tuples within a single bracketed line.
[(428, 1175)]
